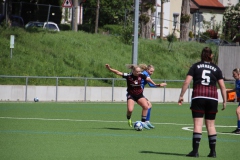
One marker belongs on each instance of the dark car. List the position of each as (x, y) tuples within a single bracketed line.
[(220, 42), (17, 21), (34, 24)]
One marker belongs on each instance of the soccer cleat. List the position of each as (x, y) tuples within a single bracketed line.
[(130, 122), (149, 124), (237, 131), (212, 154), (192, 154), (145, 125)]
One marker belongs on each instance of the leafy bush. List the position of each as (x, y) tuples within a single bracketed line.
[(171, 38), (113, 29), (86, 28), (190, 34), (126, 35), (64, 27)]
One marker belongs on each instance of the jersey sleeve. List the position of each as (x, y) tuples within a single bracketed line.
[(143, 76), (191, 70), (125, 75), (151, 85)]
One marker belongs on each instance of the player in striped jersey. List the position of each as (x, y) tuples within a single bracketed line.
[(134, 91), (205, 76)]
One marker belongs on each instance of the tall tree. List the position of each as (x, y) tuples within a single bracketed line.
[(97, 16), (110, 11), (147, 7), (8, 11), (185, 19), (231, 23)]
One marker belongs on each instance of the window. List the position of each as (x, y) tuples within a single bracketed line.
[(159, 18), (175, 19)]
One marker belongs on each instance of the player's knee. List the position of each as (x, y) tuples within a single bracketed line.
[(238, 110), (144, 107)]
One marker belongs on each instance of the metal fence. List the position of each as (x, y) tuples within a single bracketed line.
[(228, 59), (85, 85), (167, 91)]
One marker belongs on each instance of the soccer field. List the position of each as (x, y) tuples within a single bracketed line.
[(99, 131)]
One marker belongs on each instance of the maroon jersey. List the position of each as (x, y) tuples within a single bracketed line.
[(205, 76), (134, 83)]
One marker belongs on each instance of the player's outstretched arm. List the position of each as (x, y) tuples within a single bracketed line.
[(113, 70), (162, 84), (149, 80)]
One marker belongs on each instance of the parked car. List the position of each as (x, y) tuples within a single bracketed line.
[(17, 21), (45, 25), (220, 42)]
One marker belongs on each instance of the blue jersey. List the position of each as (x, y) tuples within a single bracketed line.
[(144, 81), (237, 84)]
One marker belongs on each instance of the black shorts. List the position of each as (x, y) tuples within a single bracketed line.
[(204, 107), (135, 97)]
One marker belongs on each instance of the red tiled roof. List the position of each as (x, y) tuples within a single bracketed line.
[(193, 5), (209, 3)]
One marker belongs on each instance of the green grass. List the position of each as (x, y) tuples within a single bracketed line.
[(99, 131), (80, 54)]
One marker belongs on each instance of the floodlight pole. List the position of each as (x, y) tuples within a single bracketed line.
[(135, 36)]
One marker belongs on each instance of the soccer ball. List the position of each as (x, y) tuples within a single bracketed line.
[(138, 126), (36, 99)]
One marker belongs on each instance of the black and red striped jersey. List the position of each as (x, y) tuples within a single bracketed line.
[(205, 76), (134, 83)]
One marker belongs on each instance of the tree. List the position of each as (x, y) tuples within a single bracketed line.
[(231, 22), (33, 10), (8, 11), (110, 11), (97, 16), (147, 7), (185, 18)]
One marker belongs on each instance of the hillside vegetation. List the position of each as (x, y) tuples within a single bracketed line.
[(80, 54)]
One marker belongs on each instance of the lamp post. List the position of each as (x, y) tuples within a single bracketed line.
[(161, 20)]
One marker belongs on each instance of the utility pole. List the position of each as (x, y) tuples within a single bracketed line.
[(135, 35), (75, 15), (97, 16)]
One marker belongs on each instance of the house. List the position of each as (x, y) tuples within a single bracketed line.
[(207, 14), (174, 16), (158, 14), (227, 3), (67, 13)]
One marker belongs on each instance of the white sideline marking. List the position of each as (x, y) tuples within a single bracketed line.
[(79, 120), (191, 129)]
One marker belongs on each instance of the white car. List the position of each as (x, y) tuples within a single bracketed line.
[(45, 25)]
